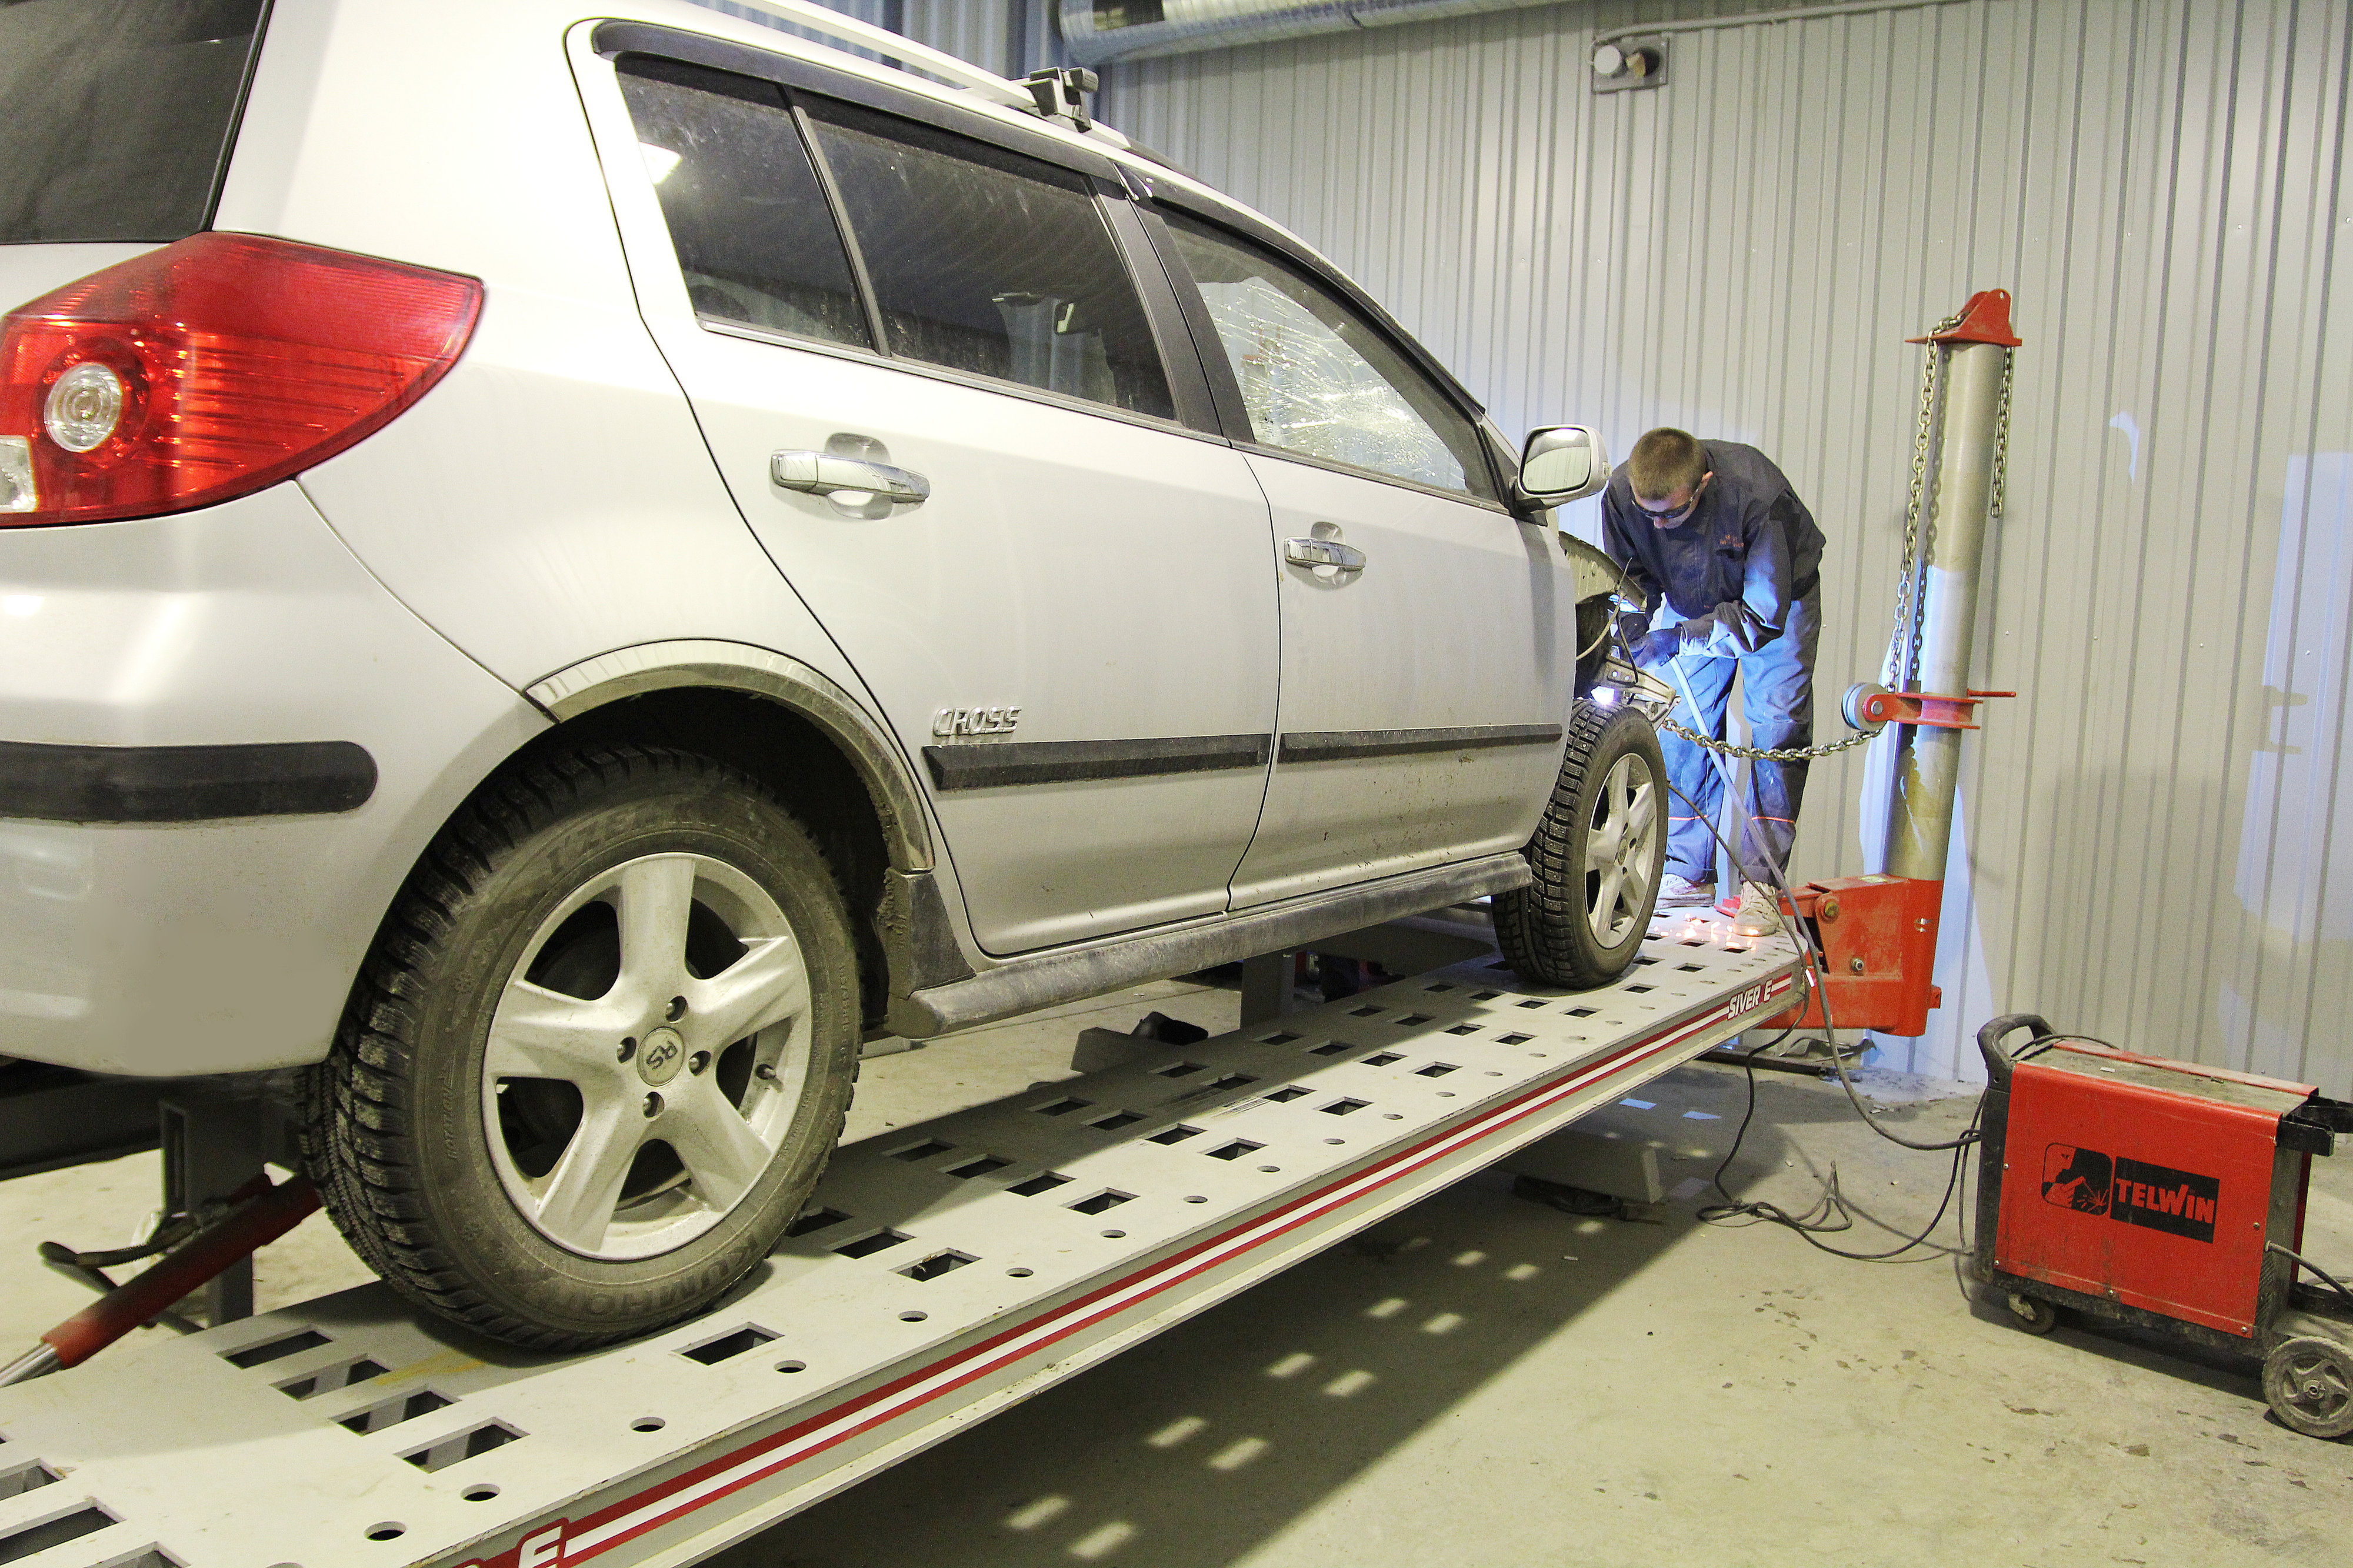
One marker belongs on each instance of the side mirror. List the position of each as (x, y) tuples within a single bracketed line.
[(1563, 463)]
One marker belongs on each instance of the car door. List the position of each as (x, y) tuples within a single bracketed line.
[(1073, 627), (1425, 671)]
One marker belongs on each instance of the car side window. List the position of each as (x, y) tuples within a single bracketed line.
[(989, 262), (1317, 378), (754, 235)]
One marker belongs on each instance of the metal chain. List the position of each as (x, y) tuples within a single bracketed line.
[(1911, 604), (1911, 607), (2001, 439), (1760, 754)]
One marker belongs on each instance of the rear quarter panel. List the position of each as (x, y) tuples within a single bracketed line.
[(552, 498)]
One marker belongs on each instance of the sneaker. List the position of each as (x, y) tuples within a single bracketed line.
[(1759, 913), (1680, 892)]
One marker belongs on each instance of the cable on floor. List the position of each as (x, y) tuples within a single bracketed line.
[(1832, 1214)]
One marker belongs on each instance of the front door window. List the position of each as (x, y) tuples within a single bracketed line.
[(1317, 378)]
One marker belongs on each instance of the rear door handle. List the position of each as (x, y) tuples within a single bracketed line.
[(824, 474), (1327, 553)]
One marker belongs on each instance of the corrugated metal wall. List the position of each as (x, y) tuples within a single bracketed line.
[(2153, 829)]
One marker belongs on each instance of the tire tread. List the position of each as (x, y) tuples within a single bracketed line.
[(359, 1113), (1536, 927)]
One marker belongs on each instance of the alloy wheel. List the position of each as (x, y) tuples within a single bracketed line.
[(645, 1057), (1621, 849)]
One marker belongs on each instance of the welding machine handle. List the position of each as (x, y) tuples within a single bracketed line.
[(1998, 1060)]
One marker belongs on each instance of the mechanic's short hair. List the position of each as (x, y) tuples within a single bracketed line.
[(1664, 461)]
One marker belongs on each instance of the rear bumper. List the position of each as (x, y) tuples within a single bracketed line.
[(222, 744)]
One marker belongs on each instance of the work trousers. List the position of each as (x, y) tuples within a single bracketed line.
[(1777, 685)]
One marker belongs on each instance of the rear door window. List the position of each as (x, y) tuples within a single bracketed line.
[(116, 115), (989, 262), (755, 236), (1317, 378)]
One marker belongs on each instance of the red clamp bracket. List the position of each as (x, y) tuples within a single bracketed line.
[(1923, 708), (1983, 319)]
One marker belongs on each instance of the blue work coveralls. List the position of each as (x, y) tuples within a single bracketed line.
[(1744, 573)]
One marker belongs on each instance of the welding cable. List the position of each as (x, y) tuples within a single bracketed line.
[(1814, 1221), (2301, 1261), (1814, 961), (1832, 1204), (1813, 1224), (1611, 625), (2036, 1047)]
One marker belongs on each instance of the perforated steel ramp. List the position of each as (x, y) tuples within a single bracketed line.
[(947, 1270)]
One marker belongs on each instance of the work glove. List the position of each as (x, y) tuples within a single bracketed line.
[(1658, 647), (1695, 638), (1698, 637)]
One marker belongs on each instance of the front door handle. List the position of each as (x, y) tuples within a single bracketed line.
[(1323, 552), (824, 474)]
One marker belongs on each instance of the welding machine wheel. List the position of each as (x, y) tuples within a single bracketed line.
[(2308, 1383), (1598, 855), (2032, 1313)]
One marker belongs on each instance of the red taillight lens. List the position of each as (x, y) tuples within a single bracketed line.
[(220, 364)]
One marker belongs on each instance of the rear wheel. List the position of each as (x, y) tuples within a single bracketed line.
[(1597, 856), (600, 1054)]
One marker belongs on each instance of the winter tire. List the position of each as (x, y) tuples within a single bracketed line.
[(600, 1054), (1598, 855)]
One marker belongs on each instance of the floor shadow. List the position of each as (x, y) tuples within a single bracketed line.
[(2126, 1345), (1191, 1449)]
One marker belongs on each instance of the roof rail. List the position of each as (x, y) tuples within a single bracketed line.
[(907, 52)]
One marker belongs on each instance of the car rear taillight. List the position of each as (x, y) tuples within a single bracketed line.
[(210, 369)]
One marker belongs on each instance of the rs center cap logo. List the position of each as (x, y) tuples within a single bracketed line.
[(660, 1057)]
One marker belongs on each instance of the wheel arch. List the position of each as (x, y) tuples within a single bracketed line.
[(798, 731)]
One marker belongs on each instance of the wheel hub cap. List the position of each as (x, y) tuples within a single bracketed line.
[(660, 1057)]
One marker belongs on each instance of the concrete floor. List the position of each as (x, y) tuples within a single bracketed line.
[(1482, 1380)]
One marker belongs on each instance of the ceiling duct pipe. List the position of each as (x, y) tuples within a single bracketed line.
[(1100, 31)]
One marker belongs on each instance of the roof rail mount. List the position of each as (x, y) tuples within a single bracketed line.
[(1061, 93)]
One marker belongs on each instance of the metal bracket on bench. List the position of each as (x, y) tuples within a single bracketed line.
[(214, 1147), (1870, 707)]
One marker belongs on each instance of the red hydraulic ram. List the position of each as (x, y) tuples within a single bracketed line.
[(260, 1214)]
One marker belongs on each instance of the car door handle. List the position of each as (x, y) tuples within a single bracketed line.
[(824, 474), (1323, 552)]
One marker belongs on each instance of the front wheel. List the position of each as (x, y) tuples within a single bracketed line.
[(600, 1054), (1597, 856)]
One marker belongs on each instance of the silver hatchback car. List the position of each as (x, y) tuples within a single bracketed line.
[(556, 576)]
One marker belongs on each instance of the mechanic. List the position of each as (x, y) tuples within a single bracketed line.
[(1714, 530)]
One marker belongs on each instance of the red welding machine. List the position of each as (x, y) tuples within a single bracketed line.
[(2165, 1195)]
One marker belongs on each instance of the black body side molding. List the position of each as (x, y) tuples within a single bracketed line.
[(989, 766), (1339, 745), (183, 783)]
